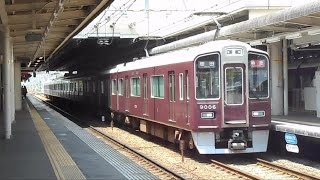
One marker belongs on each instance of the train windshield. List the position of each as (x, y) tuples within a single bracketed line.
[(258, 76), (207, 77)]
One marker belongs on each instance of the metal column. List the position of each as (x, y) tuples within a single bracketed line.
[(277, 79), (17, 86), (7, 94), (285, 76), (12, 100)]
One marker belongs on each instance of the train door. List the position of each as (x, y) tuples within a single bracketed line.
[(235, 105), (145, 95), (172, 96), (127, 93)]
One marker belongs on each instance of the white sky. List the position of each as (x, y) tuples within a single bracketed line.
[(165, 16)]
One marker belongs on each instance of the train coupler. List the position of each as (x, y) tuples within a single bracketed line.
[(238, 141)]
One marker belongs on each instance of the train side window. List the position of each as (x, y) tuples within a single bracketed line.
[(172, 85), (187, 85), (120, 87), (135, 86), (88, 86), (93, 87), (114, 87), (157, 86), (181, 86), (80, 86), (145, 86), (127, 86), (102, 87), (84, 85)]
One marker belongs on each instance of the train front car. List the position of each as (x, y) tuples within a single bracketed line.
[(232, 111)]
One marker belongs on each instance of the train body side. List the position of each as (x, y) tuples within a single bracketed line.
[(179, 110), (167, 96), (157, 107)]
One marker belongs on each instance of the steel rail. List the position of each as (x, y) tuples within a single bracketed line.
[(286, 170), (229, 168), (78, 120), (177, 176)]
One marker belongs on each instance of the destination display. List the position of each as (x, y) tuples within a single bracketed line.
[(257, 63), (206, 64)]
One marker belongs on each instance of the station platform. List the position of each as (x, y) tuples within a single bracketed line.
[(45, 145), (300, 123), (297, 133)]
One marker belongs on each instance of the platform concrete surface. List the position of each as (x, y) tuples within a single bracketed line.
[(304, 118), (39, 133), (23, 156)]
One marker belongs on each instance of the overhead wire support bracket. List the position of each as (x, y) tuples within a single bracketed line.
[(219, 26), (148, 38), (217, 30)]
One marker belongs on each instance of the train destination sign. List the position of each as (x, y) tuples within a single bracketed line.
[(234, 52), (206, 64), (258, 63)]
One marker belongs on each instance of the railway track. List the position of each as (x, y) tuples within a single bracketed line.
[(278, 171), (234, 171), (181, 172), (151, 165), (285, 171)]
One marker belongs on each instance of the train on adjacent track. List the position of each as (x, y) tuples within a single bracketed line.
[(215, 96)]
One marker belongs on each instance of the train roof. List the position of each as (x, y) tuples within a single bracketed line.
[(178, 56)]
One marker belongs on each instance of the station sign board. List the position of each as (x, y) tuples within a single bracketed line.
[(290, 138), (292, 142), (292, 148)]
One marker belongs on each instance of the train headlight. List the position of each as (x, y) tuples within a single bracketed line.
[(207, 115), (258, 113)]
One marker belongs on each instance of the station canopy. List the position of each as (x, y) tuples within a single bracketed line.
[(41, 29), (255, 22)]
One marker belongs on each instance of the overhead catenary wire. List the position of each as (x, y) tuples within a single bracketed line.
[(116, 14)]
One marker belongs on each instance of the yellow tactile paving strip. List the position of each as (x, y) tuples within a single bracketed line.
[(63, 165)]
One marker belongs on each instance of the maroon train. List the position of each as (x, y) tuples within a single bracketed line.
[(214, 96)]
